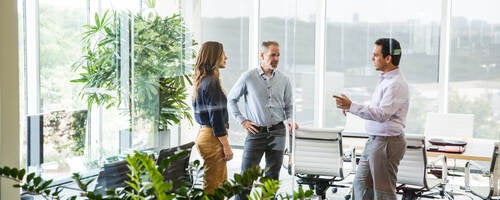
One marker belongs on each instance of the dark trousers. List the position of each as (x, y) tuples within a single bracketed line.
[(272, 145)]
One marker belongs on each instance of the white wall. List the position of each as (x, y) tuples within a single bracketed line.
[(9, 94)]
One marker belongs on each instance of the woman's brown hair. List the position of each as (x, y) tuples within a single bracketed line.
[(208, 57)]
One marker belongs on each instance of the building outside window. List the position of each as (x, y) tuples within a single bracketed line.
[(330, 39)]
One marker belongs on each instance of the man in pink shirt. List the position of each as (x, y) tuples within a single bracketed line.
[(385, 117)]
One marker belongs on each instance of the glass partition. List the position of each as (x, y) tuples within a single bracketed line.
[(350, 36), (77, 134), (475, 65)]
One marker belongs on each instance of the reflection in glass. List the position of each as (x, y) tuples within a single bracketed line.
[(475, 65), (351, 33), (231, 29)]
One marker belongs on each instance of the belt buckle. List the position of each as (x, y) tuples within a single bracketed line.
[(267, 128)]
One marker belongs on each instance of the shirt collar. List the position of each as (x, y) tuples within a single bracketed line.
[(261, 72), (390, 74)]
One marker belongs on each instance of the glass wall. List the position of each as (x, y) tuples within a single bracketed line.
[(103, 78), (52, 97), (475, 64), (350, 36), (92, 101), (231, 28), (292, 24)]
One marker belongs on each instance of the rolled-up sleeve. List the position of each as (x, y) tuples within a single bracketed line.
[(288, 99), (238, 90)]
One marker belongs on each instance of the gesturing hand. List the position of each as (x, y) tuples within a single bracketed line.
[(343, 102)]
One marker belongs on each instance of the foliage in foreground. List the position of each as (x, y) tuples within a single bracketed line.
[(147, 182)]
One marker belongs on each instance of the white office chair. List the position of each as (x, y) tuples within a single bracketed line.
[(449, 125), (492, 175), (412, 178), (318, 158)]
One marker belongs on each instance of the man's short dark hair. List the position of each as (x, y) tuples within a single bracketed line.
[(390, 46)]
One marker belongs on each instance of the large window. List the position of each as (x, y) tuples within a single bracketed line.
[(52, 100), (292, 24), (327, 39), (93, 101), (231, 28), (351, 32), (475, 65)]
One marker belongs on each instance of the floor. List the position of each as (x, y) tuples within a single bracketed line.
[(288, 182)]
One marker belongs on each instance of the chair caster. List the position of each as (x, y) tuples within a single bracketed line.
[(334, 190), (347, 197)]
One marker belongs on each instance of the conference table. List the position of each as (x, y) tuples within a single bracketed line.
[(476, 149)]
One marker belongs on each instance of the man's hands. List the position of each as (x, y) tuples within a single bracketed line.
[(290, 126), (249, 126), (343, 102)]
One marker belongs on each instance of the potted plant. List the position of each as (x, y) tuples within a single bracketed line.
[(156, 63)]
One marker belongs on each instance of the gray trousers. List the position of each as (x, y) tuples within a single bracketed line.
[(377, 170)]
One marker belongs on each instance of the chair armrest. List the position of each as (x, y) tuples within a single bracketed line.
[(444, 167)]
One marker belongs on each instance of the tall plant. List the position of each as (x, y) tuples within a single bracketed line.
[(159, 72)]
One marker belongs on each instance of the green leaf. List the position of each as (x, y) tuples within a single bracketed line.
[(30, 177), (37, 181)]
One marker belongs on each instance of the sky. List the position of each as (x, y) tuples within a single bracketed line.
[(337, 10), (370, 11)]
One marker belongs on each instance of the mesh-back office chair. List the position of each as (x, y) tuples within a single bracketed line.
[(318, 158), (492, 191), (112, 176), (412, 178), (177, 170)]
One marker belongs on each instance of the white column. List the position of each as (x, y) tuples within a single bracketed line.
[(444, 56), (253, 37), (9, 94), (319, 62)]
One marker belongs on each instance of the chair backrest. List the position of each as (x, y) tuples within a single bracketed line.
[(318, 151), (354, 125), (412, 168), (449, 125), (113, 175), (495, 170), (177, 171)]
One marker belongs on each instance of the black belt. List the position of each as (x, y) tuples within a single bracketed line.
[(267, 129)]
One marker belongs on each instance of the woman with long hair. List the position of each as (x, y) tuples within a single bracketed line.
[(210, 111)]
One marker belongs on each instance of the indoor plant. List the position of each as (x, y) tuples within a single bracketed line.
[(147, 183), (156, 62)]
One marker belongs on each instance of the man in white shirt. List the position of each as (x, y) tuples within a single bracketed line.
[(385, 117)]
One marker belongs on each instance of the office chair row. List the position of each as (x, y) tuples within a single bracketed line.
[(317, 160), (114, 175)]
